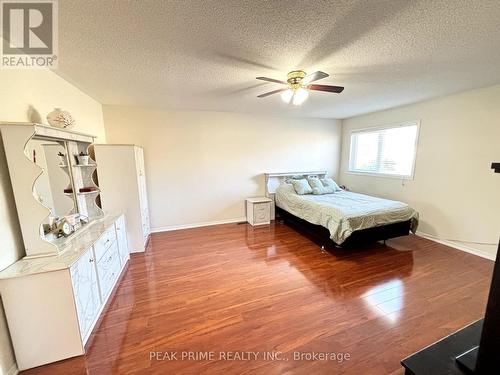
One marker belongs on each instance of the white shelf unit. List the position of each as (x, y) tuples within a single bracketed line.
[(24, 173), (88, 192), (122, 181), (85, 165)]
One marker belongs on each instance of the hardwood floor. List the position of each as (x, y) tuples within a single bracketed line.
[(234, 288)]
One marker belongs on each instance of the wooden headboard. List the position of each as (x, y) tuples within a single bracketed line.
[(273, 180)]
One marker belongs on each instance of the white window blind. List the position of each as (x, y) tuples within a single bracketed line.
[(388, 150)]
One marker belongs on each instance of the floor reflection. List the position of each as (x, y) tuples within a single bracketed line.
[(271, 251), (340, 274), (386, 299)]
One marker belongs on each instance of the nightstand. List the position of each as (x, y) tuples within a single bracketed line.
[(258, 210)]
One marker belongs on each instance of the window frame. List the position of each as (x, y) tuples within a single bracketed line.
[(352, 171)]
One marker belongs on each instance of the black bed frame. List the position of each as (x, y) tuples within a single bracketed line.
[(321, 235)]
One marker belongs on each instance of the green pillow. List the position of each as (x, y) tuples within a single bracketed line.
[(330, 184), (301, 186), (317, 186)]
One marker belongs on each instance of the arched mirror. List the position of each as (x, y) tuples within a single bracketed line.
[(53, 188)]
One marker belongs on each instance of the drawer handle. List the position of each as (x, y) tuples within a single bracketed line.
[(107, 241), (91, 260), (110, 257)]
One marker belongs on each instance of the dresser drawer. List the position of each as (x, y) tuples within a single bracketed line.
[(108, 269), (104, 243), (261, 213)]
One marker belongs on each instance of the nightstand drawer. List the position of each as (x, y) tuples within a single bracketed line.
[(261, 213)]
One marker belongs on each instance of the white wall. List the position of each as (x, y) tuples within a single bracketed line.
[(29, 95), (454, 188), (200, 166)]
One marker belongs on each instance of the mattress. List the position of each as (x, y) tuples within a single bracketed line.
[(344, 212)]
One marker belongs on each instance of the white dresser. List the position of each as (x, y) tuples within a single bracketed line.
[(53, 303), (75, 253), (122, 182)]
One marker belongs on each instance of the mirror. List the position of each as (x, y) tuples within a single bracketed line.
[(53, 188)]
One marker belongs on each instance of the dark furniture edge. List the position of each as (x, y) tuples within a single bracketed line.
[(439, 357), (321, 235)]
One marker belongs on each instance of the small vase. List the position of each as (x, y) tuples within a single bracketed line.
[(60, 119), (83, 160)]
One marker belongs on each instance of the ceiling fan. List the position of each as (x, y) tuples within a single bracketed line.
[(298, 83)]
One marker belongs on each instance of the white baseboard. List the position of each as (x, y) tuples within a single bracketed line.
[(13, 370), (458, 246), (197, 225)]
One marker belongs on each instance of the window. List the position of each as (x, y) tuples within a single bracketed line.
[(387, 151)]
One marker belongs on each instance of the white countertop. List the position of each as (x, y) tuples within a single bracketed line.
[(259, 200), (74, 247)]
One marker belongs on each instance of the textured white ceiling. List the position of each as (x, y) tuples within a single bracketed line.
[(205, 55)]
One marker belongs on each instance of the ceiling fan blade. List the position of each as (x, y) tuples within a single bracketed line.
[(327, 88), (314, 77), (270, 93), (271, 80)]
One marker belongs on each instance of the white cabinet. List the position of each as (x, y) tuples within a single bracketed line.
[(258, 210), (86, 291), (122, 181), (121, 237), (53, 303)]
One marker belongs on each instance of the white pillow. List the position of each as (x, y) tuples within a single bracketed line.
[(330, 184), (302, 186), (318, 188)]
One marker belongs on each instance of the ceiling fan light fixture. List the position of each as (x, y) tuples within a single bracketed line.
[(287, 95), (298, 85), (300, 96)]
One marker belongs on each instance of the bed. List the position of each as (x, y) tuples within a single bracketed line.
[(340, 219)]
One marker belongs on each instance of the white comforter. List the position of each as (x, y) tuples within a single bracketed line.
[(344, 212)]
